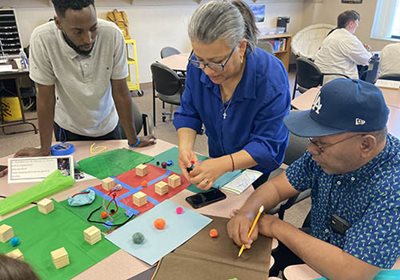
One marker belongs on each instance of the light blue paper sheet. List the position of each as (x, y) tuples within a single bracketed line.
[(226, 178), (158, 243)]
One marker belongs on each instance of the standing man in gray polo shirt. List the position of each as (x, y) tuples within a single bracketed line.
[(79, 65)]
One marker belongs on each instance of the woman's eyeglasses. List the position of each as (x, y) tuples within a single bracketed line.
[(217, 67)]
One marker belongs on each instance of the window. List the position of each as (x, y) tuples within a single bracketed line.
[(387, 20)]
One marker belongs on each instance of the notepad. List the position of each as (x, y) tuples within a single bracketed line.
[(242, 182), (388, 84)]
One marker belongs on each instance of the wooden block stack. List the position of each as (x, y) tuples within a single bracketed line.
[(142, 170), (108, 183), (139, 198), (174, 181), (6, 233), (92, 235), (16, 254), (161, 188), (45, 206), (60, 258)]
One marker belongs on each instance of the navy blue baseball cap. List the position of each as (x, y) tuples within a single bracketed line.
[(342, 105)]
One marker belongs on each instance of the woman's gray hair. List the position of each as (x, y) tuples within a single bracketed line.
[(228, 20)]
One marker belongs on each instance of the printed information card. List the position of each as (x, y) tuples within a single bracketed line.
[(35, 169)]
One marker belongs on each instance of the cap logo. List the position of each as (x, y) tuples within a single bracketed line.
[(316, 106), (360, 121)]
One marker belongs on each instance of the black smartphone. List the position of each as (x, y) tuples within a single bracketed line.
[(339, 225), (205, 198), (2, 167)]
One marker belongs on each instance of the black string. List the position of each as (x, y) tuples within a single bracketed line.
[(105, 224)]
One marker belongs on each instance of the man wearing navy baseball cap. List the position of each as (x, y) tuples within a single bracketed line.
[(352, 166)]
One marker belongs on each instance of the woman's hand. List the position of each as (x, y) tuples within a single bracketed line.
[(185, 159), (205, 173)]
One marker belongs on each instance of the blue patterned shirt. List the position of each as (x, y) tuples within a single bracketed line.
[(368, 198)]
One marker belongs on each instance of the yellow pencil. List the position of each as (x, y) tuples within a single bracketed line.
[(252, 227)]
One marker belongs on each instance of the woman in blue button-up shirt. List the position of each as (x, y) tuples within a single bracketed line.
[(239, 92)]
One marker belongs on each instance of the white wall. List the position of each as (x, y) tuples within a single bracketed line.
[(153, 23), (158, 23)]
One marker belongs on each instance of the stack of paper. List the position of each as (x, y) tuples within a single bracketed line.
[(242, 182), (388, 84)]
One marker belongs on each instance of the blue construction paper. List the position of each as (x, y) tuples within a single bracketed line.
[(158, 243), (226, 178)]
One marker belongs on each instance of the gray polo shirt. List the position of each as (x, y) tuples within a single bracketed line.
[(84, 102)]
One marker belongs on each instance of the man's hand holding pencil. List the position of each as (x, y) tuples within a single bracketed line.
[(243, 229)]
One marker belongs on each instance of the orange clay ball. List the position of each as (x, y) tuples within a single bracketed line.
[(159, 223), (104, 215), (144, 184), (213, 233)]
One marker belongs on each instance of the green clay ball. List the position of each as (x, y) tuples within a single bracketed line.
[(138, 238)]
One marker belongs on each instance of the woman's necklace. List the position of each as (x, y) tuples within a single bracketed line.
[(224, 115)]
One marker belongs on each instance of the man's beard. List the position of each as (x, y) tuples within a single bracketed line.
[(74, 47)]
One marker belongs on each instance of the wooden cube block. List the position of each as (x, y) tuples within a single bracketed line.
[(142, 170), (108, 183), (139, 198), (6, 233), (92, 235), (60, 258), (16, 254), (174, 181), (45, 206), (161, 188)]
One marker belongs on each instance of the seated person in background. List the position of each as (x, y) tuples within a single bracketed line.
[(341, 51), (353, 169), (238, 91), (390, 59), (81, 79), (12, 269)]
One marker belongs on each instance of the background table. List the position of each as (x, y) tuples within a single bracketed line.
[(177, 62), (121, 265)]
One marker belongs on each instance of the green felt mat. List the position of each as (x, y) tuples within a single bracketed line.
[(84, 211), (172, 154), (40, 234), (53, 183), (112, 163)]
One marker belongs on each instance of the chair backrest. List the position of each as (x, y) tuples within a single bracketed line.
[(165, 80), (297, 147), (168, 51), (308, 74), (393, 77), (307, 41), (137, 117)]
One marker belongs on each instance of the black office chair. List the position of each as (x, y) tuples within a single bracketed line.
[(297, 147), (167, 86), (140, 121), (393, 77), (308, 75), (168, 51)]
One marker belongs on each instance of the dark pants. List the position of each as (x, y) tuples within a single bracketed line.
[(63, 135), (284, 257)]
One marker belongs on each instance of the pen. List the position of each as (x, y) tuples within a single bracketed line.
[(252, 227)]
